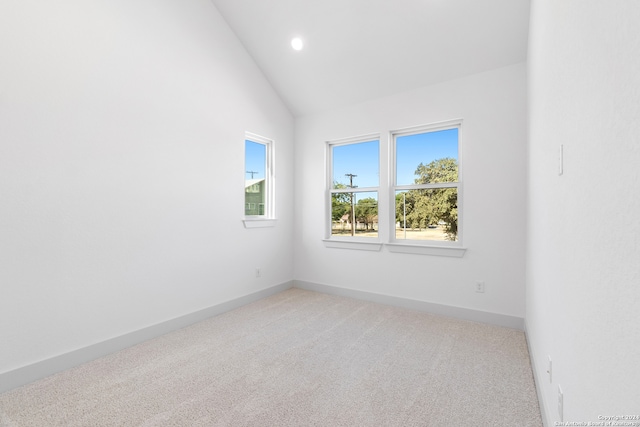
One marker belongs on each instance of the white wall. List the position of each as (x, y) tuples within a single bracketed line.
[(493, 107), (583, 264), (121, 170)]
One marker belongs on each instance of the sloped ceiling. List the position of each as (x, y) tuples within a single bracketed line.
[(356, 50)]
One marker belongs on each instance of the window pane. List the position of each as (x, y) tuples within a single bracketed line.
[(365, 207), (255, 174), (427, 214), (355, 165), (427, 157)]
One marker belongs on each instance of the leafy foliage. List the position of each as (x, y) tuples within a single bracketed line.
[(430, 207), (440, 170), (340, 203), (424, 207), (367, 211)]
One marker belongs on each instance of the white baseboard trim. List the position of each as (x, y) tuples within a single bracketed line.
[(536, 380), (27, 374), (429, 307)]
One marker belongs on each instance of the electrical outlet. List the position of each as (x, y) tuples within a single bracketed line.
[(560, 404), (258, 273), (480, 287), (549, 371)]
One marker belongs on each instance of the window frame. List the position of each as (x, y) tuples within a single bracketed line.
[(430, 247), (268, 219), (350, 242)]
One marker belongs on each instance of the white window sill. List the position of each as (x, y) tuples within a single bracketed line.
[(259, 223), (407, 248), (357, 245)]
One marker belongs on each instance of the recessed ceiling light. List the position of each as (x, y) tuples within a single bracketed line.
[(297, 43)]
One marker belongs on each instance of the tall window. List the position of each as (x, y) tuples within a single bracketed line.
[(426, 184), (258, 182), (354, 181)]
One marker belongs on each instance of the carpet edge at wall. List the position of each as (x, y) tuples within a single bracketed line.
[(462, 313), (44, 368)]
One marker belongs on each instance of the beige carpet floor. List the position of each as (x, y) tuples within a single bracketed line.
[(298, 358)]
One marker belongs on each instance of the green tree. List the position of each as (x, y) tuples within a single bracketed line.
[(430, 206), (367, 211), (411, 203), (340, 203), (440, 170), (404, 203)]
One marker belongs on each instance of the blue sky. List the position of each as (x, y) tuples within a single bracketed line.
[(362, 159), (411, 150), (255, 159)]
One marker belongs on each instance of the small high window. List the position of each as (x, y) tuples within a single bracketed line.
[(258, 182)]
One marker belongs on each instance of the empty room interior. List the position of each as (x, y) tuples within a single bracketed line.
[(206, 169)]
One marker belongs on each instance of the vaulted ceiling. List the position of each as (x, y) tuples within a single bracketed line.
[(356, 50)]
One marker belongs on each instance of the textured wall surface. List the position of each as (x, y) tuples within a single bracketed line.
[(583, 226)]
